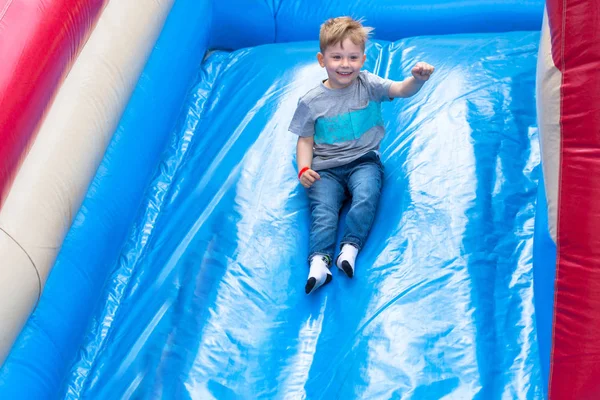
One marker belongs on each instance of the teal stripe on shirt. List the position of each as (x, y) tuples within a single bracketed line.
[(349, 126)]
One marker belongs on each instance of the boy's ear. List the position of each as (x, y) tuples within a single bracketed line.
[(320, 57), (364, 58)]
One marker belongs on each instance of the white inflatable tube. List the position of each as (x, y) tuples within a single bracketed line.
[(548, 82), (52, 182)]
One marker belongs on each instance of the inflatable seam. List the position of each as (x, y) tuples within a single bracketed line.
[(37, 272)]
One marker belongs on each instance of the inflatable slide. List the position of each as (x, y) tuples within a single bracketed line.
[(154, 235)]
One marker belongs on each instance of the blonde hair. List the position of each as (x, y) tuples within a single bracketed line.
[(336, 30)]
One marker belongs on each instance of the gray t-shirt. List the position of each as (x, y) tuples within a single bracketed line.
[(346, 123)]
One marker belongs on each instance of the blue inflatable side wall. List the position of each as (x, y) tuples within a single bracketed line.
[(245, 23), (43, 353)]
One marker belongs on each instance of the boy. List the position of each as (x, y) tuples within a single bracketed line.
[(340, 127)]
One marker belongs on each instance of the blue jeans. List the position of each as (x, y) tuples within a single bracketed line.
[(361, 180)]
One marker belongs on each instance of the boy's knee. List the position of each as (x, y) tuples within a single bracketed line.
[(323, 210), (368, 190)]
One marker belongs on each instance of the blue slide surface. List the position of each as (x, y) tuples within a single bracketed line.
[(199, 291)]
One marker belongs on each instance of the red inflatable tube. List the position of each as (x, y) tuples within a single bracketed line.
[(39, 40), (575, 363)]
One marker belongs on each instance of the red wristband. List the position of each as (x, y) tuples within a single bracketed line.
[(303, 170)]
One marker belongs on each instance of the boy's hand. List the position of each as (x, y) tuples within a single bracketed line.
[(422, 71), (308, 178)]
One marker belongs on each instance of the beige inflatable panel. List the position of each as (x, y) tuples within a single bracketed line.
[(548, 82), (23, 295)]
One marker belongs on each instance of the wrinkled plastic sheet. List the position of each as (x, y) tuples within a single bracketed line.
[(206, 300)]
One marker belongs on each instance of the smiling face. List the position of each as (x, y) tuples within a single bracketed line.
[(343, 62)]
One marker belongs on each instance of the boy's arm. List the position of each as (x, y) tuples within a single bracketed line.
[(304, 157), (411, 85)]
